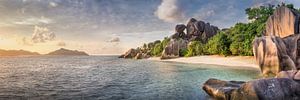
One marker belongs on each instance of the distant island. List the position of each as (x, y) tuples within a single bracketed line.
[(61, 51), (17, 53)]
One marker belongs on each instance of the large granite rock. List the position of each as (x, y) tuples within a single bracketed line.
[(282, 23), (199, 30), (179, 29), (278, 49), (131, 53), (272, 55), (173, 48), (262, 89)]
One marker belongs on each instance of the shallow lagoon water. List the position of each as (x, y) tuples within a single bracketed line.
[(109, 78)]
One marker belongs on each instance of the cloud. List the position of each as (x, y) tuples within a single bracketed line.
[(61, 44), (42, 34), (115, 39), (169, 11), (52, 4), (34, 21)]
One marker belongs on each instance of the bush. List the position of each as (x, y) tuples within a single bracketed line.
[(183, 52), (219, 44), (195, 48)]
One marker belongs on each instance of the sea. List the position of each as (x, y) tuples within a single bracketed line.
[(109, 78)]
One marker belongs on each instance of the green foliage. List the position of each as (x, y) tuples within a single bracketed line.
[(195, 48), (219, 44), (159, 46), (183, 52), (157, 49)]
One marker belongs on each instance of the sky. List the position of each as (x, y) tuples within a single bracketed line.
[(109, 26)]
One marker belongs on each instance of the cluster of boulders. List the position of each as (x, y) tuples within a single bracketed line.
[(278, 49), (195, 30), (277, 54), (139, 53)]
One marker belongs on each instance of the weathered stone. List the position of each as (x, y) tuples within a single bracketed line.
[(262, 89), (199, 30), (297, 76), (173, 48), (180, 28), (219, 89), (282, 23), (130, 53), (271, 55), (287, 74)]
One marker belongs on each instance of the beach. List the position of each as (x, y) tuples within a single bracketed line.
[(241, 61)]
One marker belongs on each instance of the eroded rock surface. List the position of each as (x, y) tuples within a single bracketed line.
[(282, 23), (272, 54), (279, 49), (262, 89), (199, 30), (172, 50)]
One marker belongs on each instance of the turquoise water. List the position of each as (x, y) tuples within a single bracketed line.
[(108, 78)]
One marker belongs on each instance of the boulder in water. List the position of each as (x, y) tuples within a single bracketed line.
[(263, 89)]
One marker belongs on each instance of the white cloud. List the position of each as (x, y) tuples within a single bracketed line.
[(169, 11), (42, 34), (34, 21), (115, 39), (52, 4)]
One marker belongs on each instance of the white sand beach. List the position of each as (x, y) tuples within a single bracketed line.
[(244, 61)]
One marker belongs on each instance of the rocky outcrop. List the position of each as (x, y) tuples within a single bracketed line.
[(130, 53), (272, 54), (262, 89), (278, 49), (282, 23), (291, 74), (199, 30), (179, 29), (172, 50), (195, 30), (136, 53)]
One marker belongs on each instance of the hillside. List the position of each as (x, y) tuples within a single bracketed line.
[(63, 51)]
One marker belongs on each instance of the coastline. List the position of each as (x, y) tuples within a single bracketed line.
[(234, 61)]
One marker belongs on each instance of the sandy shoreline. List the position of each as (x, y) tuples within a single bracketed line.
[(241, 61)]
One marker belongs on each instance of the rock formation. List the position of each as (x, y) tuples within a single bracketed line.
[(272, 54), (283, 22), (195, 30), (262, 89), (172, 50), (199, 30), (278, 49)]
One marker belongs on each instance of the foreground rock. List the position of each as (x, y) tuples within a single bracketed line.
[(291, 74), (283, 22), (67, 52), (17, 53), (263, 89)]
